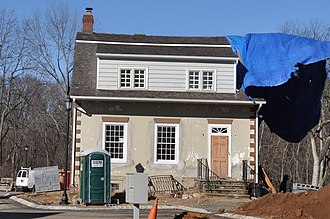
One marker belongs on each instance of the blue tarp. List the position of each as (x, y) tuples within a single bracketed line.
[(270, 58), (289, 73)]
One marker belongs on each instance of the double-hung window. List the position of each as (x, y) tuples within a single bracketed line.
[(166, 143), (115, 141), (133, 78), (201, 80)]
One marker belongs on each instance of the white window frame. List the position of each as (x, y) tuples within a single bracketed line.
[(116, 160), (200, 80), (177, 132), (132, 78)]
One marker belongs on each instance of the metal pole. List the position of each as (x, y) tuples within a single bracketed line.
[(26, 148), (136, 211), (245, 170), (65, 196), (26, 158), (73, 146)]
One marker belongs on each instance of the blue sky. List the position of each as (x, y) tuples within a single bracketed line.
[(188, 17)]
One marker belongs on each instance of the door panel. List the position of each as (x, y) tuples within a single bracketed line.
[(219, 155), (97, 177)]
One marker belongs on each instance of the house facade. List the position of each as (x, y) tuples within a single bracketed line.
[(162, 102)]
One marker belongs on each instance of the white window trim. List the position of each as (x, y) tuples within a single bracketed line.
[(177, 145), (97, 72), (210, 127), (116, 160), (201, 80), (146, 76)]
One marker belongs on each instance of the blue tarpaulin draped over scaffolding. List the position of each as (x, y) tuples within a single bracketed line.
[(289, 72)]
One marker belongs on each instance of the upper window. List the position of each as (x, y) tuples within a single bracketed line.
[(201, 80), (115, 141), (166, 143), (132, 78)]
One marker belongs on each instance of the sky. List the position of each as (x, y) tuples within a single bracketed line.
[(187, 17)]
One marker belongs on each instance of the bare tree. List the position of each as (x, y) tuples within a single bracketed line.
[(51, 37), (36, 61), (315, 29), (13, 65), (47, 125)]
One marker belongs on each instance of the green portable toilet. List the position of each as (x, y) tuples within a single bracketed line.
[(95, 176)]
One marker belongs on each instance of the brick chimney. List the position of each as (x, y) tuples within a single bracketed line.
[(88, 21)]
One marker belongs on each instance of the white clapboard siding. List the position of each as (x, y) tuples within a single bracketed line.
[(165, 76), (225, 79)]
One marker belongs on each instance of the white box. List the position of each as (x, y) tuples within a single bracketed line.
[(137, 188)]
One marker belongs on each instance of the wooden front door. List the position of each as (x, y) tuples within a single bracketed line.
[(219, 155)]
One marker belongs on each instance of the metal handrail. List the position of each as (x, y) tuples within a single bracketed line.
[(204, 172), (245, 170)]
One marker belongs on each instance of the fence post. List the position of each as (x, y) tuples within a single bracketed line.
[(199, 167), (245, 170)]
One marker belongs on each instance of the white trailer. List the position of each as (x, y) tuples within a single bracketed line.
[(41, 179), (25, 180)]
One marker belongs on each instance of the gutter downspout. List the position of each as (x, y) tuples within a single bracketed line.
[(257, 142), (73, 156)]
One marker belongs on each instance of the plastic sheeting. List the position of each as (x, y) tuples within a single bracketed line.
[(269, 59), (289, 72)]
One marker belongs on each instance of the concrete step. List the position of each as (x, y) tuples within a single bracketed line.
[(224, 181), (231, 195), (226, 187), (228, 190)]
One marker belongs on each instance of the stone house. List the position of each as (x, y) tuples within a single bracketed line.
[(162, 102)]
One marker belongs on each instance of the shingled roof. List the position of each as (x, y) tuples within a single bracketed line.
[(159, 45), (89, 45), (141, 38)]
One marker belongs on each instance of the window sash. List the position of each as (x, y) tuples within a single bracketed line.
[(115, 141), (125, 78), (166, 143), (139, 78), (208, 80), (194, 80)]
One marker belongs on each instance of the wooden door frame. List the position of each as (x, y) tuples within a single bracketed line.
[(210, 134)]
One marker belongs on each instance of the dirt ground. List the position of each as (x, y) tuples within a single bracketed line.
[(311, 204)]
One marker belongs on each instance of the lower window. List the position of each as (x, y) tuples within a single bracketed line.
[(115, 187), (166, 143), (115, 141)]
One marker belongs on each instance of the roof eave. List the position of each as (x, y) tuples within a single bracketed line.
[(142, 99)]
